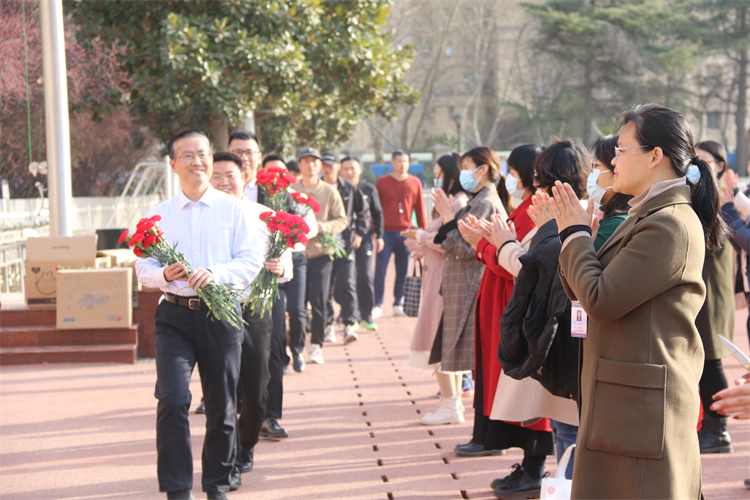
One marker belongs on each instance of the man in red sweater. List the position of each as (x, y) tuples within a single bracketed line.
[(400, 195)]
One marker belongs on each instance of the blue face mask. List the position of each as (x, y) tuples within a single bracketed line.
[(467, 180), (438, 183)]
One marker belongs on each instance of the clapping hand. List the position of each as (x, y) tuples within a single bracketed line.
[(500, 232), (443, 204), (726, 188), (471, 231), (540, 211), (596, 217), (734, 400), (566, 208)]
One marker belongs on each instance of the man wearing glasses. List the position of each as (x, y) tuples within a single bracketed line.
[(210, 229), (245, 145)]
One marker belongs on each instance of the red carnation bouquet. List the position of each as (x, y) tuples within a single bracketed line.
[(332, 245), (285, 230), (148, 241), (307, 201), (274, 181)]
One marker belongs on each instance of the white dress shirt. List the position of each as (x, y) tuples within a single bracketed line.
[(250, 193), (212, 233)]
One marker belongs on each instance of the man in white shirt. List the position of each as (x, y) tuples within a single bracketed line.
[(246, 145), (210, 230), (256, 345)]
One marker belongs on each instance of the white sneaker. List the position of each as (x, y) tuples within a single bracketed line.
[(330, 335), (398, 311), (349, 335), (448, 413), (377, 312), (315, 354)]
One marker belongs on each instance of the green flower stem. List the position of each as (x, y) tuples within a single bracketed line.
[(220, 299)]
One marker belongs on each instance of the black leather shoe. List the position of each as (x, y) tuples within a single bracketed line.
[(272, 430), (201, 408), (713, 436), (496, 483), (244, 461), (518, 485), (217, 496), (235, 481), (472, 449), (180, 495), (298, 362)]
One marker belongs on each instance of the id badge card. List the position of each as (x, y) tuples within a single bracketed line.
[(578, 320)]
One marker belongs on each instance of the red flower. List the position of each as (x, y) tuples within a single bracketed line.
[(138, 237), (138, 252), (304, 199), (124, 236), (149, 240)]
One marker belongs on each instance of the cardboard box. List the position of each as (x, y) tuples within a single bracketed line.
[(94, 298), (43, 255)]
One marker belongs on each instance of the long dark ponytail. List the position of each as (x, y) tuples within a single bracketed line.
[(658, 126)]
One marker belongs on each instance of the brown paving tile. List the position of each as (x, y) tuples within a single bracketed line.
[(87, 431)]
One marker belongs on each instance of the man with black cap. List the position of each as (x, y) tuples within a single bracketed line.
[(332, 220), (344, 273)]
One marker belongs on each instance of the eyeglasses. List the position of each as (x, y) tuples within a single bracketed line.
[(189, 157), (244, 153), (620, 150)]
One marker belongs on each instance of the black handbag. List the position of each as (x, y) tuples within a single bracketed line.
[(413, 291)]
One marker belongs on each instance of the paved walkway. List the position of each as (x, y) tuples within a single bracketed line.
[(87, 432)]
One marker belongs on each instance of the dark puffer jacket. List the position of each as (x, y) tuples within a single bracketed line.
[(535, 336)]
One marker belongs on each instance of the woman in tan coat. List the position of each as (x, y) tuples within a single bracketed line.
[(642, 358)]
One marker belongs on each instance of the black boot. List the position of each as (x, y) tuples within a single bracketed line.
[(518, 485), (713, 436)]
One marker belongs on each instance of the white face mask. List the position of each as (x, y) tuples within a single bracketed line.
[(511, 184), (438, 183), (595, 190)]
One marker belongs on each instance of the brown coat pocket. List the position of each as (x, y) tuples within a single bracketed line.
[(627, 413)]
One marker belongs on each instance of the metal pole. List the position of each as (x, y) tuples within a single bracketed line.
[(56, 118)]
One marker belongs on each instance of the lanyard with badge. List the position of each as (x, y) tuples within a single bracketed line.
[(578, 320)]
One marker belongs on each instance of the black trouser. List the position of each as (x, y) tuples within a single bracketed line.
[(254, 375), (365, 256), (344, 290), (318, 285), (712, 381), (278, 358), (184, 337), (296, 290)]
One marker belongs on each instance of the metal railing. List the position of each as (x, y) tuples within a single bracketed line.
[(12, 268)]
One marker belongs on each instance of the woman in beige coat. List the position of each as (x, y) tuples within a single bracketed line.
[(642, 358)]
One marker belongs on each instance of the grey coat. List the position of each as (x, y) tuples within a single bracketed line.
[(462, 275)]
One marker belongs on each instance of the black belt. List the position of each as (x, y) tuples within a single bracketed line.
[(194, 303)]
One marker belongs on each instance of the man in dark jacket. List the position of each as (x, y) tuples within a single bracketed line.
[(372, 243), (343, 277)]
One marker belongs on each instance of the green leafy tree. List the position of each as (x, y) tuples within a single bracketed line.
[(600, 56), (308, 69)]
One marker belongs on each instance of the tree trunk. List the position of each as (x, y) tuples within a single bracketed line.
[(219, 129), (740, 117), (588, 131)]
